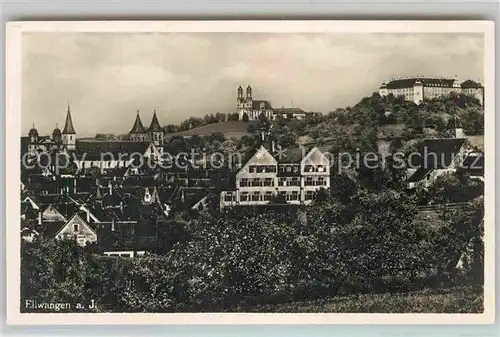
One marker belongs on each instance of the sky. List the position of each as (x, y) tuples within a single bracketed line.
[(107, 77)]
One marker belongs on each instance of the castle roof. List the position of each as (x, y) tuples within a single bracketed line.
[(426, 82), (470, 84), (68, 126), (155, 125), (138, 127)]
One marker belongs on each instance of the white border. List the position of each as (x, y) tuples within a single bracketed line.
[(13, 130)]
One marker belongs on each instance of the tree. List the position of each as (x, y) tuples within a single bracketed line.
[(171, 128), (220, 117), (288, 139)]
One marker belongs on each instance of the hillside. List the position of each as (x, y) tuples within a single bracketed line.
[(230, 129)]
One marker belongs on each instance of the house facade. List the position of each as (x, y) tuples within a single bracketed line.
[(294, 174)]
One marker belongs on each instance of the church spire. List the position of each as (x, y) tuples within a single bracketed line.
[(138, 127), (155, 125), (68, 126)]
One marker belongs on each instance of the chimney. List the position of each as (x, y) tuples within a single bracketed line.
[(110, 188), (39, 217), (88, 215), (273, 146), (113, 224), (121, 206)]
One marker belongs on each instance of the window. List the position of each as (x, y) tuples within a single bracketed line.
[(282, 182), (228, 197), (75, 227), (309, 181), (321, 181), (244, 196), (294, 182), (244, 182), (268, 196), (293, 196), (309, 195), (256, 196), (268, 182), (256, 182)]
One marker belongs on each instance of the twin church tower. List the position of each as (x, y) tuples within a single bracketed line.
[(66, 138)]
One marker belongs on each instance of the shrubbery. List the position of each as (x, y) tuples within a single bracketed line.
[(362, 242)]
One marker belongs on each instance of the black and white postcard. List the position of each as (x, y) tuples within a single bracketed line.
[(217, 172)]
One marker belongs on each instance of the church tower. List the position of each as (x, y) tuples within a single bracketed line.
[(138, 132), (68, 133), (155, 131), (57, 136), (33, 139), (248, 103)]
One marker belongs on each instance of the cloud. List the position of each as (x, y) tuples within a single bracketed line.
[(107, 77)]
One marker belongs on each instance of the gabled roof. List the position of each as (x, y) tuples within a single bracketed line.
[(138, 127), (437, 153), (155, 125), (474, 164), (68, 126)]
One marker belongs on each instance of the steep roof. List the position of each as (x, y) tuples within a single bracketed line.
[(138, 127), (68, 126), (155, 125), (92, 149), (437, 153)]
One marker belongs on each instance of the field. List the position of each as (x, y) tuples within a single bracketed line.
[(230, 129), (465, 299)]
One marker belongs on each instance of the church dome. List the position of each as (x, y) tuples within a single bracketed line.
[(33, 132), (56, 132)]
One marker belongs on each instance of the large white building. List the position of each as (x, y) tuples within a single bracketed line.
[(295, 174), (417, 89), (253, 109)]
